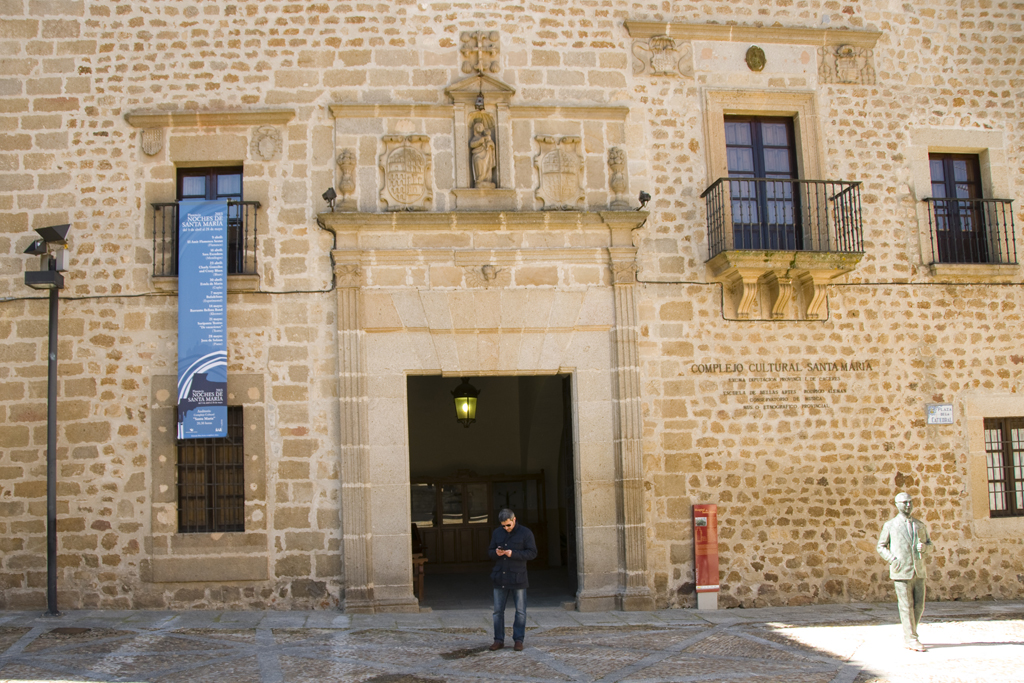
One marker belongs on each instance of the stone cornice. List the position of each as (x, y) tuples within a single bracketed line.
[(370, 257), (200, 119), (571, 113), (392, 111), (441, 111), (975, 272), (752, 34), (480, 220)]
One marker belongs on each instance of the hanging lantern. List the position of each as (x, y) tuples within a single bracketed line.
[(465, 402)]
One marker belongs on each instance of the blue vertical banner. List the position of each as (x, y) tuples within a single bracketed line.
[(202, 319)]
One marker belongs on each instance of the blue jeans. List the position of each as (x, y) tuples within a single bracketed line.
[(519, 625)]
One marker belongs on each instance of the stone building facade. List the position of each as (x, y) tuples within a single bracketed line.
[(486, 159)]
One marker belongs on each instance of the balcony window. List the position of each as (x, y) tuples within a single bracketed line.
[(775, 238), (765, 208), (965, 227), (207, 183)]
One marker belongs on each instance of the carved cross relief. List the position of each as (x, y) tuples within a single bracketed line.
[(480, 50)]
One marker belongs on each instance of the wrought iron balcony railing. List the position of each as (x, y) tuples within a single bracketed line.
[(972, 231), (242, 238), (769, 214)]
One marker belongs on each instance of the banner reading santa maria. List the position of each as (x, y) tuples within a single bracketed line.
[(202, 319)]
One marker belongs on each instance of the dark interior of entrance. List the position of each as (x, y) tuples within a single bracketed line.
[(517, 454)]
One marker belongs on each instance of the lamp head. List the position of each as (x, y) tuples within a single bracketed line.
[(55, 234), (37, 248), (643, 199), (465, 402), (329, 196)]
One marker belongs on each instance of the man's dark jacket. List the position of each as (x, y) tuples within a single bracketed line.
[(510, 572)]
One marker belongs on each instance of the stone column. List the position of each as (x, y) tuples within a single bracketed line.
[(636, 594), (354, 447), (461, 142), (503, 133)]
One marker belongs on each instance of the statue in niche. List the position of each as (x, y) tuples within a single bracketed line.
[(481, 150)]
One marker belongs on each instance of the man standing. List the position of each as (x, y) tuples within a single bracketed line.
[(512, 546), (904, 542)]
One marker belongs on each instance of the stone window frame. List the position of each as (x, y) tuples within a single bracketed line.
[(990, 148), (801, 106), (776, 277), (974, 410), (196, 139), (208, 557)]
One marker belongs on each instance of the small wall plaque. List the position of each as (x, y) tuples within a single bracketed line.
[(939, 413), (756, 58)]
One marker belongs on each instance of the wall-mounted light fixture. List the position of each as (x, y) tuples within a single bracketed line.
[(465, 402), (329, 196)]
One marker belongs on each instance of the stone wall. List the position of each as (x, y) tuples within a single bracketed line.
[(803, 491)]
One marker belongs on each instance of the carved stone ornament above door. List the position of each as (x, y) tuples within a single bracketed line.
[(560, 167), (406, 165), (152, 140)]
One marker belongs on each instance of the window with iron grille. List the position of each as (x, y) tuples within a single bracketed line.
[(208, 183), (211, 481), (1004, 448)]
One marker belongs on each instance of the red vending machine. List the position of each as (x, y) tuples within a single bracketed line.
[(705, 554)]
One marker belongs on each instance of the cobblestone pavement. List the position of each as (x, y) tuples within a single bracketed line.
[(858, 643)]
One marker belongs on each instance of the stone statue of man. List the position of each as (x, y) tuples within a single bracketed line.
[(904, 543)]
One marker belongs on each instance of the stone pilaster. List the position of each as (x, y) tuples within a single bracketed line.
[(354, 448), (635, 593)]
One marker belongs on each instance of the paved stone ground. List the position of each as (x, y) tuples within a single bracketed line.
[(858, 643)]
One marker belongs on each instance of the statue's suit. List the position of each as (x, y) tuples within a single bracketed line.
[(897, 544)]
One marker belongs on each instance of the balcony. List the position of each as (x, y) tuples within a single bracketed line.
[(974, 238), (242, 238), (781, 241)]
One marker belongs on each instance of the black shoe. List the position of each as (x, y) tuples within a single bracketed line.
[(497, 645)]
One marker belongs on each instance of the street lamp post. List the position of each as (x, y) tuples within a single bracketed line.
[(52, 251)]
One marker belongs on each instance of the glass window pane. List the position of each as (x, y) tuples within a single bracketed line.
[(478, 507), (775, 134), (423, 505), (451, 504), (737, 133), (193, 187), (740, 160), (229, 185), (777, 161)]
